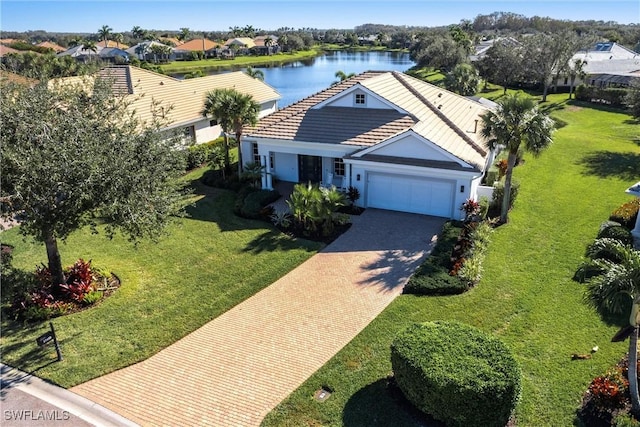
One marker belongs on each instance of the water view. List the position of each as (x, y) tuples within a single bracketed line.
[(300, 79)]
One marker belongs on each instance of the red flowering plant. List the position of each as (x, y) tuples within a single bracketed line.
[(471, 210), (609, 391)]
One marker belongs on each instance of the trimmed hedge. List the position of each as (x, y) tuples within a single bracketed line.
[(609, 96), (432, 277), (456, 373)]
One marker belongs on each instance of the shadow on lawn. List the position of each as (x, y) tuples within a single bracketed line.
[(274, 240), (607, 164), (382, 404)]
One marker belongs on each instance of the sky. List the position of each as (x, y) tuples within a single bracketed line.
[(87, 16)]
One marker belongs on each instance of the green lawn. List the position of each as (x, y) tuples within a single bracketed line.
[(208, 263), (238, 62), (526, 296)]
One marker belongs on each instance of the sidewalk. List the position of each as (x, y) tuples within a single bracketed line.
[(26, 400), (235, 369)]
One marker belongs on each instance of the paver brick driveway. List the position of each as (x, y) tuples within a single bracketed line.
[(236, 368)]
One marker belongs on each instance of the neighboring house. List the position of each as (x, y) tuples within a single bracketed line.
[(405, 144), (209, 47), (607, 64), (181, 102), (480, 50), (53, 46), (238, 46), (114, 55), (5, 50), (144, 51), (81, 54), (266, 45)]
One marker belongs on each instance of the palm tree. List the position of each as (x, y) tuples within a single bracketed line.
[(137, 32), (610, 291), (118, 38), (90, 45), (341, 75), (576, 70), (243, 112), (103, 33), (516, 120), (255, 73), (216, 105)]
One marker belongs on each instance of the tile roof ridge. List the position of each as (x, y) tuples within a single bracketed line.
[(400, 77)]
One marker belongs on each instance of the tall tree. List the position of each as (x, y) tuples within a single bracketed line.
[(184, 34), (103, 34), (576, 69), (548, 55), (72, 158), (216, 106), (503, 63), (118, 38), (516, 121), (243, 111), (137, 32), (438, 51), (610, 292), (341, 76)]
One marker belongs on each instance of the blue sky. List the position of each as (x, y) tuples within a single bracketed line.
[(219, 15)]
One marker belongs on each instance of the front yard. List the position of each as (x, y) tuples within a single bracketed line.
[(526, 297), (209, 262)]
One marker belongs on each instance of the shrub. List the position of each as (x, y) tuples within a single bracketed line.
[(252, 202), (608, 391), (456, 373), (613, 230), (197, 155), (498, 194), (491, 176), (281, 219), (312, 208), (627, 214), (625, 420)]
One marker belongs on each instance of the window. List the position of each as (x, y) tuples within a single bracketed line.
[(212, 123), (272, 160), (256, 156), (338, 167), (360, 99)]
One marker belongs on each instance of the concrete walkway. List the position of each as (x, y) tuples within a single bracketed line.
[(236, 368)]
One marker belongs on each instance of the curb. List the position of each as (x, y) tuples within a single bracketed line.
[(79, 406)]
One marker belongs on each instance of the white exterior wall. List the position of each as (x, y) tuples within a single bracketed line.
[(286, 167), (349, 100), (206, 133)]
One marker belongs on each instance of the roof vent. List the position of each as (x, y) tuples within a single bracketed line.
[(161, 83), (440, 95), (439, 106)]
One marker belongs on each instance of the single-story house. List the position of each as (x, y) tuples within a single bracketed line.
[(146, 51), (181, 101), (405, 144), (209, 47), (108, 54), (112, 43), (53, 46), (607, 65), (266, 45)]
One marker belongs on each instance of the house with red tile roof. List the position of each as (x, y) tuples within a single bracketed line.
[(209, 47), (51, 45), (405, 144), (112, 43)]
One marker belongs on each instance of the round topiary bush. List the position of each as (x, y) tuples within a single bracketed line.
[(456, 373)]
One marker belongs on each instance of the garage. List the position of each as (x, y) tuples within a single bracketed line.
[(410, 194)]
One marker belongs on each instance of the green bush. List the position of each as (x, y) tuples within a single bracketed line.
[(614, 230), (498, 194), (254, 201), (456, 373), (197, 155), (627, 214), (432, 277), (609, 96)]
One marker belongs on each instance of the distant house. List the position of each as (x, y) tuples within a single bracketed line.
[(150, 51), (266, 45), (238, 46), (607, 65), (480, 50), (5, 50), (405, 144), (181, 102), (209, 47), (107, 54)]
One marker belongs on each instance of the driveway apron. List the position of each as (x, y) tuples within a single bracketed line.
[(236, 368)]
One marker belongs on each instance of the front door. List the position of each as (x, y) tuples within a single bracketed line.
[(309, 168)]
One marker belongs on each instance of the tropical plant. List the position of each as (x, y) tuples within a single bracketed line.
[(217, 159), (90, 45), (313, 207), (464, 79), (615, 285), (137, 32), (576, 69), (516, 121), (103, 34), (59, 176), (341, 76), (253, 172), (118, 38), (254, 73)]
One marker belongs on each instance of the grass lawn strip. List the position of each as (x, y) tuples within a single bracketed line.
[(526, 296), (208, 263)]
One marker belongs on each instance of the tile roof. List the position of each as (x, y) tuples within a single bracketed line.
[(244, 41), (180, 101), (196, 45), (112, 43), (5, 50), (51, 45), (449, 120)]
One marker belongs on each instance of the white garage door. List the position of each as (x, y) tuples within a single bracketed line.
[(410, 194)]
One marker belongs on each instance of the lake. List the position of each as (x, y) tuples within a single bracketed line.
[(300, 79)]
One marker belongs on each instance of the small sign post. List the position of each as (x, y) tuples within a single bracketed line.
[(47, 337)]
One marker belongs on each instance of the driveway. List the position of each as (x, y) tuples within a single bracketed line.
[(236, 368)]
